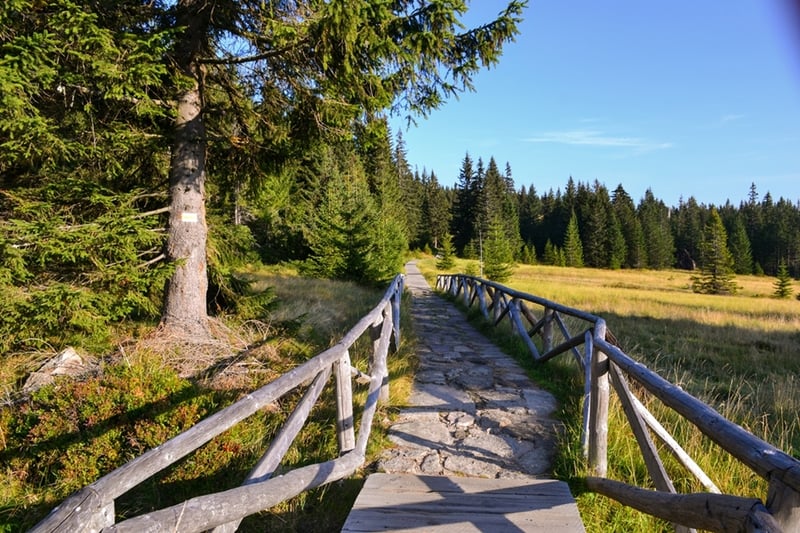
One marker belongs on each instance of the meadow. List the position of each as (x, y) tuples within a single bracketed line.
[(737, 353)]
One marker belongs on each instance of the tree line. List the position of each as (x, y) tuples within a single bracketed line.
[(587, 225)]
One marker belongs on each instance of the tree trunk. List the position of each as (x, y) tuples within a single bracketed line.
[(185, 299)]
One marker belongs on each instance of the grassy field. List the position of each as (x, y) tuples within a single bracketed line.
[(69, 434), (737, 353)]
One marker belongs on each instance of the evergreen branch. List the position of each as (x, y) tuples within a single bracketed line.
[(152, 261), (230, 60), (153, 212)]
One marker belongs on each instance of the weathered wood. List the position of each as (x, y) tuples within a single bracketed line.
[(674, 448), (345, 429), (650, 455), (501, 308), (713, 512), (403, 502), (563, 347), (280, 444), (649, 452), (587, 392), (564, 331), (577, 313), (763, 458), (528, 314), (84, 511), (784, 504), (520, 329), (116, 483), (482, 302), (598, 407), (381, 353), (396, 300), (547, 330), (208, 511)]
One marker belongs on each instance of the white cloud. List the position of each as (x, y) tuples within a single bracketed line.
[(731, 117), (597, 138)]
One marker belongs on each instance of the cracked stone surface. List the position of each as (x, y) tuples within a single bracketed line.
[(472, 411)]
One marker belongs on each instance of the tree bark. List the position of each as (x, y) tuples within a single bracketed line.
[(185, 299)]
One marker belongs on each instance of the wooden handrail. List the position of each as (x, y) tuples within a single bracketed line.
[(603, 359), (92, 508)]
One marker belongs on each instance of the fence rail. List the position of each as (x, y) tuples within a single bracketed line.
[(91, 509), (605, 366)]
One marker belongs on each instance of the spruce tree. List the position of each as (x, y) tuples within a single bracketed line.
[(658, 241), (631, 227), (573, 249), (463, 221), (184, 88), (716, 262), (739, 245), (550, 254), (498, 258), (617, 248), (783, 285), (446, 258)]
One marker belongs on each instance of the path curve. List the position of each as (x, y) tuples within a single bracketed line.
[(472, 411)]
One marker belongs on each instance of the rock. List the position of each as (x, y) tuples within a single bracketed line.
[(67, 363)]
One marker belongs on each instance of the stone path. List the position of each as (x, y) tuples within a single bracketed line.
[(473, 411)]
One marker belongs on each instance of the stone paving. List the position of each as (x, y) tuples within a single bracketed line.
[(473, 411)]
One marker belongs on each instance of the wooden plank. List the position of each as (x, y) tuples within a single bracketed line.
[(712, 512), (403, 502)]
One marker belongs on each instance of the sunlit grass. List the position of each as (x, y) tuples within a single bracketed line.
[(737, 353), (309, 315)]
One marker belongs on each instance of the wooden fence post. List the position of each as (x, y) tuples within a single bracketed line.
[(345, 429), (380, 349), (598, 407), (396, 301), (587, 392), (784, 504), (547, 330)]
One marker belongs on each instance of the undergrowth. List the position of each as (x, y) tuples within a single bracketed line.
[(70, 433)]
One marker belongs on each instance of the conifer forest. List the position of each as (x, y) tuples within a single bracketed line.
[(149, 151)]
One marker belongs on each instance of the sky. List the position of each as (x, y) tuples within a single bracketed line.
[(688, 98)]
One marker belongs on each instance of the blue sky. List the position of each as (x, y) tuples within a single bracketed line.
[(685, 97)]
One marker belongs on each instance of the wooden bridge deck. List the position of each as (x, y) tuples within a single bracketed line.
[(405, 502)]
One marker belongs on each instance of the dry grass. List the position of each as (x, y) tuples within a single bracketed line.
[(736, 353), (309, 316)]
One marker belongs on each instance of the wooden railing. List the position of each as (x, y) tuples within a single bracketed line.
[(604, 365), (92, 508)]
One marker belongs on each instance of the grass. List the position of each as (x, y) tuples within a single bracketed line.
[(736, 353), (70, 433)]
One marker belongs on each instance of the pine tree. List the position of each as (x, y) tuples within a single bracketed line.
[(616, 257), (631, 227), (739, 245), (139, 72), (573, 249), (551, 254), (716, 263), (436, 211), (498, 258), (783, 285), (351, 236), (659, 245), (464, 208), (446, 254)]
